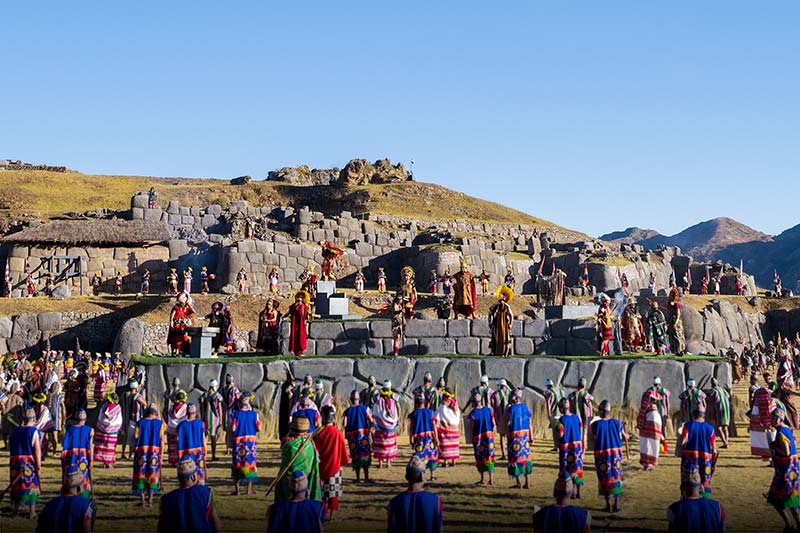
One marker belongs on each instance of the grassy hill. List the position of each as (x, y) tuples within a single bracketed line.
[(51, 194)]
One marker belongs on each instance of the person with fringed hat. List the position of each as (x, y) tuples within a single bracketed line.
[(298, 513), (332, 451), (245, 424), (192, 441), (482, 437), (500, 322), (422, 434), (386, 418), (109, 423), (190, 507), (299, 314), (175, 415), (69, 512), (25, 461), (562, 517), (358, 431), (147, 451), (415, 510), (448, 420), (607, 437), (181, 317), (299, 453), (570, 446), (77, 449), (519, 440), (699, 448), (306, 408), (784, 491)]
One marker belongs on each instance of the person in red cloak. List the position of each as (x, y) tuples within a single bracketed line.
[(298, 313), (181, 317), (465, 294), (332, 451)]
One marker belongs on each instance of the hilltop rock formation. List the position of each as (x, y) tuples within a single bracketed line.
[(303, 175), (361, 172)]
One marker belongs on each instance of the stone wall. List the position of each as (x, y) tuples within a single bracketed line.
[(30, 334), (622, 382)]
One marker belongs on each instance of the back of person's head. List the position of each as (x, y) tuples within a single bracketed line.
[(690, 483), (73, 479), (298, 483), (328, 414), (415, 470), (563, 488), (187, 472)]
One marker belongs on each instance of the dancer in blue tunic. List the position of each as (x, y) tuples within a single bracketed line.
[(76, 449), (422, 434), (357, 430), (192, 441), (570, 446), (416, 510)]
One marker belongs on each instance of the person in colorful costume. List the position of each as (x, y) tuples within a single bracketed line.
[(482, 423), (332, 450), (500, 322), (321, 398), (657, 329), (299, 315), (760, 422), (134, 403), (175, 415), (68, 512), (570, 446), (241, 280), (358, 431), (605, 325), (145, 286), (205, 277), (720, 399), (398, 323), (633, 327), (77, 450), (498, 402), (360, 281), (433, 284), (221, 317), (651, 435), (245, 424), (298, 453), (520, 440), (509, 281), (212, 413), (699, 448), (552, 396), (298, 513), (784, 491), (381, 280), (109, 423), (422, 435), (172, 282), (447, 417), (187, 280), (192, 441), (146, 479), (25, 461), (274, 281), (190, 507), (307, 408), (230, 395), (608, 435), (101, 377), (269, 332), (484, 278), (562, 517), (385, 417), (465, 296), (180, 318), (96, 282), (677, 340), (447, 282), (407, 291), (415, 510), (691, 399), (694, 512), (580, 403), (369, 394), (330, 254)]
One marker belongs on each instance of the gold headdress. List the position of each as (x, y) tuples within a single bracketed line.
[(504, 290), (304, 295)]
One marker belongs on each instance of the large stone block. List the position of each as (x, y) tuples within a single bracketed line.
[(462, 376), (426, 328), (468, 345), (437, 346), (343, 386), (575, 370), (692, 322), (535, 328), (155, 384), (265, 398), (480, 328), (722, 371), (25, 333), (323, 368), (184, 371), (560, 328), (247, 375), (577, 346), (397, 370), (177, 249), (609, 382), (324, 346), (351, 347), (541, 368), (516, 328), (523, 346), (512, 369), (130, 338), (356, 330), (551, 347), (435, 365), (458, 328), (640, 377), (326, 330), (206, 372), (584, 329), (381, 329), (6, 325), (700, 371), (275, 371)]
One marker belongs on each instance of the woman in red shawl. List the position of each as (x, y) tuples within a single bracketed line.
[(299, 314), (181, 317), (332, 450)]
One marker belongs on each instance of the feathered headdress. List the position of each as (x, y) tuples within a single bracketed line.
[(304, 295), (504, 291)]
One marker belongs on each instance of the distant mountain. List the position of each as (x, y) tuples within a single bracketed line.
[(763, 258), (630, 236)]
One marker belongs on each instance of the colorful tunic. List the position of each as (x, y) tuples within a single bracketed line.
[(307, 516), (721, 400), (307, 460), (187, 509), (211, 411), (330, 443), (107, 431), (245, 424), (175, 416), (760, 422), (691, 399), (608, 456), (499, 405), (415, 512), (784, 492), (75, 451), (698, 452), (309, 413), (520, 462), (26, 490), (298, 313), (651, 436), (552, 396), (500, 319), (357, 432), (147, 456), (483, 425), (570, 448), (448, 420), (580, 403), (191, 440), (385, 417), (100, 379), (422, 436), (65, 514)]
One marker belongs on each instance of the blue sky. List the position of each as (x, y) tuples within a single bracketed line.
[(594, 115)]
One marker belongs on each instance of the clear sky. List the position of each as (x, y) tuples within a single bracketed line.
[(594, 115)]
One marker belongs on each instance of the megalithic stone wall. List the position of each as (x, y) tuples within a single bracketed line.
[(620, 381)]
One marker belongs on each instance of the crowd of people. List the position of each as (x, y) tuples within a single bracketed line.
[(316, 443)]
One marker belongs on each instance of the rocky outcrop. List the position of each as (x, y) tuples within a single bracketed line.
[(303, 175), (361, 172)]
